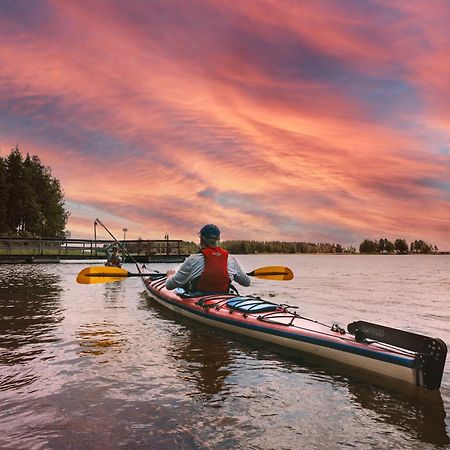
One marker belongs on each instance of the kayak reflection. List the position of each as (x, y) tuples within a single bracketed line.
[(421, 414), (208, 359)]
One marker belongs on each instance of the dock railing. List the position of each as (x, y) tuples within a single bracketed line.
[(84, 248)]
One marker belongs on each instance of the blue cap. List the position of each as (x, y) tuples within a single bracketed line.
[(210, 231)]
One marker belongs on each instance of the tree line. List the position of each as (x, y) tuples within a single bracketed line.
[(246, 247), (31, 200), (381, 246), (385, 246)]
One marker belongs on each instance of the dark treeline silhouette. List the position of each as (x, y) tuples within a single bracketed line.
[(245, 247), (385, 246), (381, 246), (249, 247), (31, 200)]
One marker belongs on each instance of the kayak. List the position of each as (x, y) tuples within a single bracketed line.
[(408, 357)]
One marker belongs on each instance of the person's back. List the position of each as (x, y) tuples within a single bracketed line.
[(211, 270), (215, 276)]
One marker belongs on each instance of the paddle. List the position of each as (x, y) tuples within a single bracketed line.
[(103, 274), (272, 273)]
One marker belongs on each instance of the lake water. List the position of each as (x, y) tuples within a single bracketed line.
[(103, 367)]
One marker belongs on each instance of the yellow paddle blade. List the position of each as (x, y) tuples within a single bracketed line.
[(273, 273), (101, 274)]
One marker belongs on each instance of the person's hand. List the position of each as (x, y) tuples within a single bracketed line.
[(170, 273)]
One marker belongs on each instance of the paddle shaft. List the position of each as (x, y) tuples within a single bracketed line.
[(124, 275), (131, 274), (253, 274)]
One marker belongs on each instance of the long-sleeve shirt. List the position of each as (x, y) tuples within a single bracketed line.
[(194, 266)]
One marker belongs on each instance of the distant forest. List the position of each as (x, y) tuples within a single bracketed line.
[(249, 247), (31, 200), (399, 246), (244, 247), (381, 246)]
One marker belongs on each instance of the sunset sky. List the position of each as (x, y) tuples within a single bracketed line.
[(324, 121)]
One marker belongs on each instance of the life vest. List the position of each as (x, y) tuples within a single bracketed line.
[(114, 261), (214, 277)]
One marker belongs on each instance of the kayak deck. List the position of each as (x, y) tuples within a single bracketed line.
[(279, 324)]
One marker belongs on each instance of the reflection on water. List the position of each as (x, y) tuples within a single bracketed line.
[(99, 338), (30, 311), (208, 361), (114, 291), (102, 366), (16, 380), (422, 415), (202, 355)]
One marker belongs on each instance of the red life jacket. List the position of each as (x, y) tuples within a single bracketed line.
[(214, 277)]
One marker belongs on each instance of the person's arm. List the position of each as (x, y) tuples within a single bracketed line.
[(237, 273), (108, 257), (191, 268)]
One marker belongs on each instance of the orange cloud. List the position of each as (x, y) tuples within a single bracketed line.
[(287, 121)]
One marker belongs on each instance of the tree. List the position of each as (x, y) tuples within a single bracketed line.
[(15, 206), (401, 246), (368, 246), (421, 246), (34, 199), (3, 198), (389, 246)]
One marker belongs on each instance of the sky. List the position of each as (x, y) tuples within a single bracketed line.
[(324, 121)]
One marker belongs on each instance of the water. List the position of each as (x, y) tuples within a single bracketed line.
[(102, 367)]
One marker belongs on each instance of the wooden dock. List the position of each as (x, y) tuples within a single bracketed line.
[(48, 250)]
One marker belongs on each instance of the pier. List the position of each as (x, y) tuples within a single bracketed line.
[(51, 250)]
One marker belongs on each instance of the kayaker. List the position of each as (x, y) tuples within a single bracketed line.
[(210, 270), (114, 260)]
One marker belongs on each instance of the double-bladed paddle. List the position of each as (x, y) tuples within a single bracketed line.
[(103, 274)]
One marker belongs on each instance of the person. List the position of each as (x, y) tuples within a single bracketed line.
[(114, 260), (211, 270)]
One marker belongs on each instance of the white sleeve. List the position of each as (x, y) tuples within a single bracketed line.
[(237, 273), (191, 268)]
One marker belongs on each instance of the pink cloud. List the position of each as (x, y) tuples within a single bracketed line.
[(157, 117)]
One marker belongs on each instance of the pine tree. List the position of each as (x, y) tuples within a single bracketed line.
[(34, 199), (15, 180), (3, 198)]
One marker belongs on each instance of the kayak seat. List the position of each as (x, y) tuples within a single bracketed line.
[(181, 292), (186, 294), (251, 305)]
